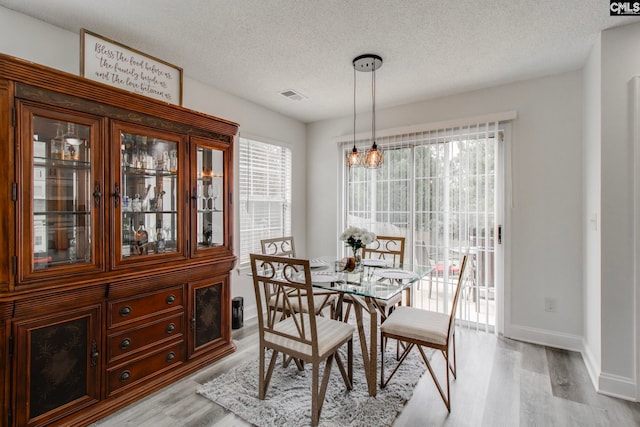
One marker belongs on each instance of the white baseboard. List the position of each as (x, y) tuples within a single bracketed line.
[(617, 386), (544, 337), (608, 384)]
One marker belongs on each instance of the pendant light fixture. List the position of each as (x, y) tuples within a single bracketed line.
[(373, 158)]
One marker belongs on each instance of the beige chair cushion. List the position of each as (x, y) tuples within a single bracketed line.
[(331, 334), (417, 324)]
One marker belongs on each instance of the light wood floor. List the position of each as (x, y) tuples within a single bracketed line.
[(500, 382)]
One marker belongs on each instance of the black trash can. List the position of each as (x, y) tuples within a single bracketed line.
[(237, 312)]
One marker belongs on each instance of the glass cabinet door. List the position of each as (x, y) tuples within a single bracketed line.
[(209, 195), (148, 216), (61, 193)]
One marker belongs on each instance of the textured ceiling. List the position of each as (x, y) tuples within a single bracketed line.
[(256, 49)]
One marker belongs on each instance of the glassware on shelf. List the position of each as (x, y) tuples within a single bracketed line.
[(142, 240), (173, 160), (157, 201), (136, 203), (201, 201), (71, 137), (207, 198), (57, 144), (208, 235), (127, 241), (126, 204), (161, 246), (73, 252), (165, 160), (148, 196), (214, 191), (72, 152)]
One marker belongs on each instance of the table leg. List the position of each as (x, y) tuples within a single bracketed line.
[(408, 291), (370, 349)]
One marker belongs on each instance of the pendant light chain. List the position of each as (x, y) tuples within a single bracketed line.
[(354, 108), (373, 98)]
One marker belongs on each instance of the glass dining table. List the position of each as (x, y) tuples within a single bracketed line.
[(374, 282)]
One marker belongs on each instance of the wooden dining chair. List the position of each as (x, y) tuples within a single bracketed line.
[(301, 335), (389, 249), (415, 327), (285, 247), (386, 248)]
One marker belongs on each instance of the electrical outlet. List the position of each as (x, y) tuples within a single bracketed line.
[(550, 305)]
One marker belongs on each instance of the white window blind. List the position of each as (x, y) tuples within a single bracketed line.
[(265, 194)]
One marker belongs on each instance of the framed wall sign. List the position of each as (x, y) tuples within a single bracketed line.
[(117, 65)]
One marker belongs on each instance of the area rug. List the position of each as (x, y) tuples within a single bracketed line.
[(288, 400)]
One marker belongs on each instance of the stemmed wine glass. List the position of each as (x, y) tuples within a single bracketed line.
[(214, 191), (201, 193)]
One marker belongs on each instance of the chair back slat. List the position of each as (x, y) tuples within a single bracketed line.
[(285, 282), (388, 248), (279, 246)]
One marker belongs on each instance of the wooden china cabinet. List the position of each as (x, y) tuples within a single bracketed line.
[(115, 245)]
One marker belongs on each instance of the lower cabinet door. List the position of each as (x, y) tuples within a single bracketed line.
[(57, 372), (210, 323)]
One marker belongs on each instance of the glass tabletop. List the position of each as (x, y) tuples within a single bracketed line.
[(375, 279)]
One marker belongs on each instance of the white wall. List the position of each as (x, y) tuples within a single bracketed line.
[(592, 176), (546, 235), (39, 42), (35, 41), (620, 62)]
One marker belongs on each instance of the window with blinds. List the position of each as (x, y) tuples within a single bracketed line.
[(265, 194), (436, 188)]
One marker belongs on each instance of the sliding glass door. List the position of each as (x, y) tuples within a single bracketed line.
[(438, 189)]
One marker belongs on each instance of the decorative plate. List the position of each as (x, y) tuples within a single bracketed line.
[(317, 263), (395, 274), (375, 263)]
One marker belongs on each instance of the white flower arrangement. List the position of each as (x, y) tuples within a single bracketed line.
[(357, 238)]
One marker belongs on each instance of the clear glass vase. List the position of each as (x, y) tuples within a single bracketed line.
[(357, 259)]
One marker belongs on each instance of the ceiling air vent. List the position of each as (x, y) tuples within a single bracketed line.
[(292, 95)]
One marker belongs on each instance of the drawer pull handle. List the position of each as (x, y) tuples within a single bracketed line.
[(125, 343), (171, 328), (171, 356), (125, 311), (171, 299), (125, 376)]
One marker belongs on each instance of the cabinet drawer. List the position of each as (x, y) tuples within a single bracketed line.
[(131, 309), (144, 367), (135, 339)]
